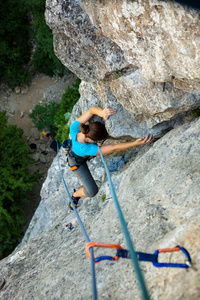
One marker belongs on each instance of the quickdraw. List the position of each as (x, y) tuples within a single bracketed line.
[(69, 226), (123, 253)]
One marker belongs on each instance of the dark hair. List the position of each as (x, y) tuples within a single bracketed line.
[(95, 131)]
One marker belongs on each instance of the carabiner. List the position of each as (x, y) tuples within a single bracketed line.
[(102, 245), (173, 265)]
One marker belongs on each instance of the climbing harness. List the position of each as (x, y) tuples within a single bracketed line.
[(74, 161), (123, 253), (69, 226)]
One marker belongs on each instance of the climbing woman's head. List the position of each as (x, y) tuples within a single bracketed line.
[(95, 131)]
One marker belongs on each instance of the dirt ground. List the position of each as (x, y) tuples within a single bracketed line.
[(18, 105)]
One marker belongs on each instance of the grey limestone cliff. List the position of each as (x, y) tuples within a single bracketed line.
[(158, 191), (141, 57)]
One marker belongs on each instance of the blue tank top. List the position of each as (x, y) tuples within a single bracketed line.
[(81, 149)]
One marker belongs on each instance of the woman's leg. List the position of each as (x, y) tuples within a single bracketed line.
[(79, 193), (89, 188)]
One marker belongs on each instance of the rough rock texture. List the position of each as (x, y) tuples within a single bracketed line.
[(79, 44), (158, 191), (161, 38), (145, 110), (142, 56)]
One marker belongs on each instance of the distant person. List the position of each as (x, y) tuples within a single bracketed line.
[(84, 146)]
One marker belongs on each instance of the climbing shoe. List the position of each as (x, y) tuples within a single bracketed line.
[(75, 200)]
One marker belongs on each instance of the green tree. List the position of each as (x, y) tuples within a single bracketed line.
[(44, 59), (43, 116), (22, 25), (15, 181), (14, 45)]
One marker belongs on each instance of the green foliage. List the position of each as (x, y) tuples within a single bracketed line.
[(196, 112), (69, 99), (14, 46), (17, 32), (117, 74), (43, 116), (53, 116), (44, 59), (63, 132), (103, 197), (15, 181)]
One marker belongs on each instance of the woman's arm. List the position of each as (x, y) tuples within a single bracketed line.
[(108, 149), (96, 110)]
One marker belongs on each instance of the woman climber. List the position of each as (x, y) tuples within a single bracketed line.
[(84, 138)]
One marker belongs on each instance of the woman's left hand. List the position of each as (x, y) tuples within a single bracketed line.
[(107, 112)]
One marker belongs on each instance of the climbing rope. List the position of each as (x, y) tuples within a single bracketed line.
[(126, 234), (135, 256), (94, 289)]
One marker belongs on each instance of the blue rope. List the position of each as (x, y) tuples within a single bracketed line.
[(94, 289), (126, 233)]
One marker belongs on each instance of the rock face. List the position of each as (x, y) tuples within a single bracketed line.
[(156, 36), (140, 56), (90, 55), (158, 190)]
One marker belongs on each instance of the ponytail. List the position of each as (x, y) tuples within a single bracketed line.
[(84, 128), (96, 131)]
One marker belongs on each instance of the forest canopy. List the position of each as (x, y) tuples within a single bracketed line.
[(15, 182), (26, 43)]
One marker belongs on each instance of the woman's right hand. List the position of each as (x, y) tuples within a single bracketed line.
[(145, 140), (107, 112)]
